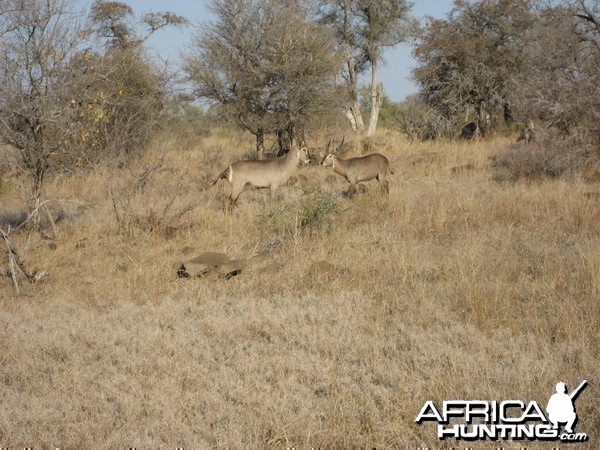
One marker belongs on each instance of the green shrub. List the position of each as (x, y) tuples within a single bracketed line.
[(317, 208), (310, 214)]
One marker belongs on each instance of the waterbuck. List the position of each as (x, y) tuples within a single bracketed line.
[(269, 173), (527, 133), (355, 170)]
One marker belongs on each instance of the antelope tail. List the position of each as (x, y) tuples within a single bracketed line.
[(221, 175)]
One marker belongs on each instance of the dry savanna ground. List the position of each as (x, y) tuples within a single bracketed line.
[(355, 312)]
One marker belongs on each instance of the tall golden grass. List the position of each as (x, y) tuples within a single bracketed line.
[(455, 287)]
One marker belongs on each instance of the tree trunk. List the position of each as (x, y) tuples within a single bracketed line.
[(283, 142), (353, 111), (285, 138), (36, 191), (508, 114), (260, 143), (36, 202), (376, 100), (351, 119), (483, 120), (296, 133)]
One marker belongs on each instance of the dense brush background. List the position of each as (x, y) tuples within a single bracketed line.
[(464, 284)]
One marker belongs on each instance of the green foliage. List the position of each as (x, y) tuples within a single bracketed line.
[(311, 213), (390, 114), (194, 116), (192, 119), (316, 208)]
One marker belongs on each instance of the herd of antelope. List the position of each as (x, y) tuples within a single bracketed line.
[(273, 173)]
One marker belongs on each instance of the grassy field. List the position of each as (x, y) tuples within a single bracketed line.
[(457, 286)]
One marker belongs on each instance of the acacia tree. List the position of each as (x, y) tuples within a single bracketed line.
[(265, 65), (364, 29), (114, 21), (473, 58), (37, 117)]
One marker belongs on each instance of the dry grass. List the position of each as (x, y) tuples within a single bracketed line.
[(457, 286)]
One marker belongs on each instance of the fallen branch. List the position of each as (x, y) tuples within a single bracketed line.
[(16, 268)]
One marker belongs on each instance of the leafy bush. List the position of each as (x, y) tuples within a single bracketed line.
[(191, 119), (311, 213), (316, 208)]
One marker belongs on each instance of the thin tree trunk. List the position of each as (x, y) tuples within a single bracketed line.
[(282, 142), (351, 119), (260, 143), (508, 114), (285, 139), (36, 194), (353, 111), (376, 100)]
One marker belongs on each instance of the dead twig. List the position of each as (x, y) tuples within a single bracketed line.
[(16, 267)]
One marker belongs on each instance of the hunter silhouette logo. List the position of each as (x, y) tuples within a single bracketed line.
[(508, 419), (560, 406)]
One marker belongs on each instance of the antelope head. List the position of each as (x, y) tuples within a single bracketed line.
[(328, 158), (303, 155)]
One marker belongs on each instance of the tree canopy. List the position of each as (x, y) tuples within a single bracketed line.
[(266, 66), (473, 57), (363, 30)]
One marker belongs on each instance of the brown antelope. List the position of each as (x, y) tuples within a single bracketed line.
[(527, 133), (471, 131), (269, 173), (355, 170)]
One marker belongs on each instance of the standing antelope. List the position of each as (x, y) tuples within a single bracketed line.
[(355, 170), (527, 133), (263, 173)]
